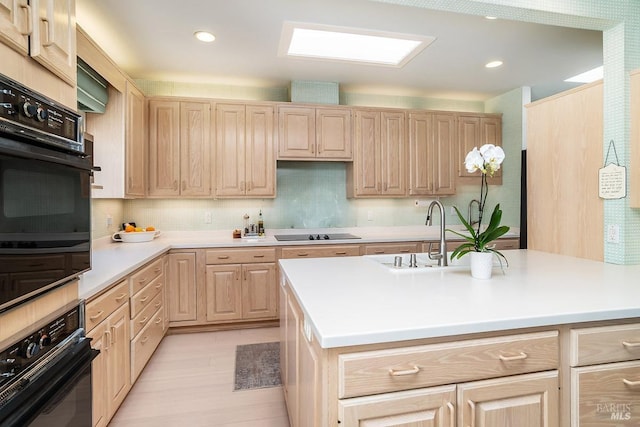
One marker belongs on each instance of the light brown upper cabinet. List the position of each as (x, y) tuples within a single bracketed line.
[(53, 37), (179, 148), (475, 130), (379, 164), (432, 154), (314, 133), (135, 153), (245, 150), (15, 25)]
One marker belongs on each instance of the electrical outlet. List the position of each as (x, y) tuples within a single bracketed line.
[(208, 217), (613, 233), (369, 215), (109, 220), (422, 203)]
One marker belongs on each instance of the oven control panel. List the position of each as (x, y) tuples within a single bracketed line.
[(35, 344), (25, 112)]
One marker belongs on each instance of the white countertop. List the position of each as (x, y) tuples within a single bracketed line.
[(353, 301), (112, 261)]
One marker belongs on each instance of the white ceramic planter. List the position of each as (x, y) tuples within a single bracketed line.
[(481, 264)]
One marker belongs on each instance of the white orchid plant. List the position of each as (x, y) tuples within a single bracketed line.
[(487, 160)]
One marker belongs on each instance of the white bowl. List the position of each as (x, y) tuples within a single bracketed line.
[(135, 236)]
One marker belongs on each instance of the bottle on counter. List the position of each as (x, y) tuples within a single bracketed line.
[(260, 224), (245, 224)]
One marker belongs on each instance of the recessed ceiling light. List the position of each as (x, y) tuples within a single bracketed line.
[(491, 17), (588, 76), (493, 64), (350, 44), (204, 36)]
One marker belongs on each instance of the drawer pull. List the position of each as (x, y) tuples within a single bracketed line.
[(341, 253), (144, 299), (121, 297), (144, 279), (158, 320), (143, 320), (520, 356), (159, 285), (158, 304), (223, 256), (631, 383), (412, 371), (97, 316), (303, 254), (258, 256), (144, 339), (630, 344)]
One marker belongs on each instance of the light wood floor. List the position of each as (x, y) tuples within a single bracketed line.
[(189, 382)]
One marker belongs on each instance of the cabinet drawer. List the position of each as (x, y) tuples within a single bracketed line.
[(100, 308), (606, 395), (144, 298), (240, 256), (321, 252), (146, 314), (406, 368), (400, 248), (605, 344), (143, 346), (143, 277)]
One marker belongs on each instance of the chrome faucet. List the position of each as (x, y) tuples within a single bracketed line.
[(469, 220), (440, 255)]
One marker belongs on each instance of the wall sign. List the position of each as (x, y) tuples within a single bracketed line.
[(612, 178)]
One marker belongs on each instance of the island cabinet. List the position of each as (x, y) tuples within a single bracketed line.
[(475, 130), (432, 154), (320, 251), (245, 150), (497, 379), (379, 163), (179, 153), (605, 375), (314, 133), (240, 285), (391, 248), (107, 324)]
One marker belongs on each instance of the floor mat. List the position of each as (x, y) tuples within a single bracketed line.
[(257, 366)]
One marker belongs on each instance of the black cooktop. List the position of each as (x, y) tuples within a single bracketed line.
[(322, 236)]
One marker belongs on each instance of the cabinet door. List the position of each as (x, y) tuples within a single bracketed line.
[(259, 291), (99, 376), (491, 133), (420, 139), (195, 162), (443, 154), (296, 132), (135, 158), (603, 395), (15, 24), (367, 161), (119, 358), (182, 287), (230, 150), (164, 148), (393, 155), (223, 284), (529, 400), (53, 41), (333, 133), (468, 138), (293, 325), (309, 389), (260, 151), (429, 407)]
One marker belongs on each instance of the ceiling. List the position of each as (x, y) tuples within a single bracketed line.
[(153, 40)]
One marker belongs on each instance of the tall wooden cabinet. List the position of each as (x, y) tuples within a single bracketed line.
[(432, 154), (379, 164), (179, 148), (308, 133), (245, 150), (475, 130), (135, 142)]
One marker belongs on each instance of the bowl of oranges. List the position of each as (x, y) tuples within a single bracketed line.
[(133, 234)]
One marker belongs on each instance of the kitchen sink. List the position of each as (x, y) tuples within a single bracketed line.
[(424, 264)]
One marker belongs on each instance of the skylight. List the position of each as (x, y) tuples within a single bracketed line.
[(350, 44), (587, 76)]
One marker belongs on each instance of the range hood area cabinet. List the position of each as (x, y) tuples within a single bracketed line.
[(379, 163), (245, 150), (314, 133), (179, 148)]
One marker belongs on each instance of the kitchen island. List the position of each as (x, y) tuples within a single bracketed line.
[(538, 343)]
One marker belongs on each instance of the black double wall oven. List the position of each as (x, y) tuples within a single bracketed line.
[(45, 242)]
